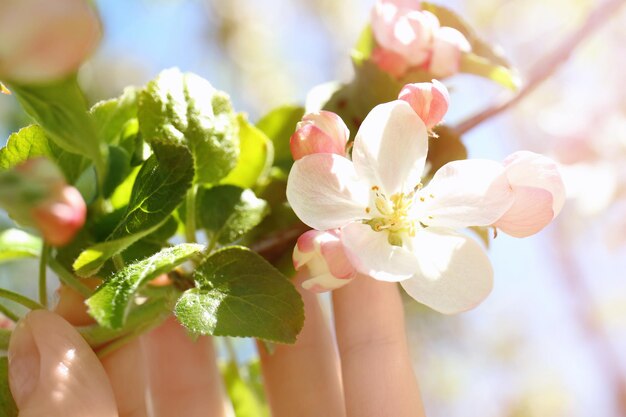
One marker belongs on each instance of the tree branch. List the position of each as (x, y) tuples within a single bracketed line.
[(545, 67)]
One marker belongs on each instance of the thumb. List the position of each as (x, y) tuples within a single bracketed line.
[(53, 372)]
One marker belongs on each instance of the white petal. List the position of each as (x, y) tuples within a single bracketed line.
[(465, 193), (390, 147), (324, 191), (371, 254), (454, 275)]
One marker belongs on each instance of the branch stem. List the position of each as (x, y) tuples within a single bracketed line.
[(43, 269)]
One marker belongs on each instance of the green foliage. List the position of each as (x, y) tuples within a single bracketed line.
[(111, 116), (60, 109), (229, 212), (279, 125), (238, 293), (477, 65), (445, 148), (242, 393), (32, 142), (7, 404), (159, 188), (111, 303), (17, 244), (119, 168), (364, 46), (256, 155), (185, 109)]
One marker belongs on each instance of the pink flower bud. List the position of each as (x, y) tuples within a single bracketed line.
[(323, 254), (429, 100), (539, 193), (61, 216), (321, 132), (392, 63), (44, 40), (448, 47), (400, 26)]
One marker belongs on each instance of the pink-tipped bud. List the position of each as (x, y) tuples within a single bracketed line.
[(400, 26), (429, 100), (61, 216), (390, 62), (45, 40), (539, 193), (323, 255), (321, 132), (39, 197), (447, 50)]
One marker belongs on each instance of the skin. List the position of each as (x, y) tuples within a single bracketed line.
[(363, 370)]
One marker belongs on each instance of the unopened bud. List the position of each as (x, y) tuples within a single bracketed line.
[(448, 47), (321, 132), (429, 100), (45, 40), (323, 254)]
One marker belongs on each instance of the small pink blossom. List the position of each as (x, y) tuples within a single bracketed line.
[(61, 216), (320, 132), (428, 100), (323, 255), (539, 193), (447, 50), (45, 40)]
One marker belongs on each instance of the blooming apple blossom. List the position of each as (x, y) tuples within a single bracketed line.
[(393, 228), (43, 40), (539, 193), (320, 132), (429, 100), (323, 255)]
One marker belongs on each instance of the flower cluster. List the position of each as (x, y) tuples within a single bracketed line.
[(373, 215), (410, 38)]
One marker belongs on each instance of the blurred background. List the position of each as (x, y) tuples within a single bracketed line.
[(551, 339)]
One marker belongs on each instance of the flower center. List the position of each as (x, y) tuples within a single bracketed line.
[(392, 215)]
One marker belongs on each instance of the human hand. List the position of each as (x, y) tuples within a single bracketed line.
[(367, 373)]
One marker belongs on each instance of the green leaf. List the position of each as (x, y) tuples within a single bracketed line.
[(185, 109), (60, 109), (110, 304), (240, 294), (477, 65), (444, 148), (256, 155), (16, 244), (7, 404), (110, 116), (229, 212), (364, 46), (245, 400), (32, 142), (479, 47), (159, 188), (119, 168), (279, 125)]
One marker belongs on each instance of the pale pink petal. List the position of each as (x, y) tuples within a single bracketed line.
[(531, 212), (464, 193), (428, 100), (390, 147), (529, 169), (454, 273), (325, 192), (391, 62), (371, 253), (448, 46)]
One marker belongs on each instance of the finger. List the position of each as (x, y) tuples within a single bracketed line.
[(53, 372), (377, 373), (304, 379), (125, 366), (182, 374)]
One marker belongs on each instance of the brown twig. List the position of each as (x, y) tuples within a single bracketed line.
[(545, 67)]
